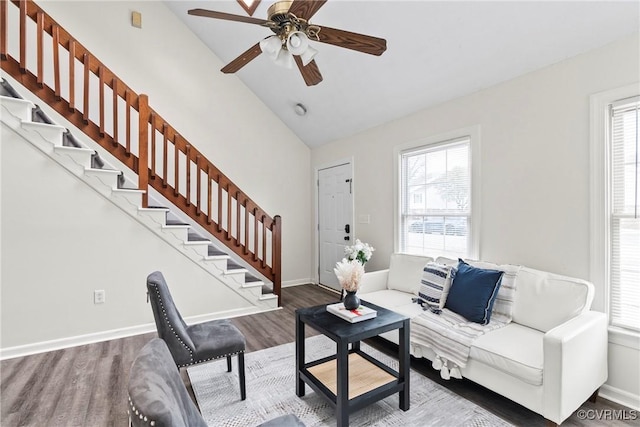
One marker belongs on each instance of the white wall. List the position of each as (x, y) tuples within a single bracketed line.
[(214, 111), (534, 170)]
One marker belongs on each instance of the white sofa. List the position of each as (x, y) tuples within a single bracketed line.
[(551, 358)]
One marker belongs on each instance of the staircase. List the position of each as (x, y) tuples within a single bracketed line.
[(36, 127), (179, 194)]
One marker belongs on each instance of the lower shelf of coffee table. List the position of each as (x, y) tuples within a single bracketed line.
[(364, 376)]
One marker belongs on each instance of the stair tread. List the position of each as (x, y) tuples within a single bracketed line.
[(194, 237), (213, 251), (72, 149), (233, 266), (111, 171), (175, 222)]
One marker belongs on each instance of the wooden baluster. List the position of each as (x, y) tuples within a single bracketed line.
[(176, 162), (116, 119), (238, 228), (255, 234), (23, 36), (56, 60), (219, 203), (39, 48), (3, 29), (143, 148), (276, 257), (153, 145), (85, 105), (127, 97), (187, 166), (209, 195), (228, 212), (101, 78), (264, 243), (165, 148), (246, 228), (198, 185), (72, 75)]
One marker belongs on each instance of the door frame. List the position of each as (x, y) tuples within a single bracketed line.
[(315, 273)]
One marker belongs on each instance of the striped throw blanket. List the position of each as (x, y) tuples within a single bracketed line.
[(451, 336)]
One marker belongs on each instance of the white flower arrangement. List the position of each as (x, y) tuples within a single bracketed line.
[(360, 251), (349, 274)]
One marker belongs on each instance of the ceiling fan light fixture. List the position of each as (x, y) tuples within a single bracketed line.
[(307, 55), (297, 42), (271, 46), (284, 59)]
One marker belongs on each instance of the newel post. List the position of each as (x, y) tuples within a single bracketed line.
[(143, 148), (277, 258)]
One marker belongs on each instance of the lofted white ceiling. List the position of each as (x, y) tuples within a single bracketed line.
[(436, 51)]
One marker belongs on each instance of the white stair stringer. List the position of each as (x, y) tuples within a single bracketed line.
[(16, 114)]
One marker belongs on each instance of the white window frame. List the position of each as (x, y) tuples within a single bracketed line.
[(473, 133), (600, 187)]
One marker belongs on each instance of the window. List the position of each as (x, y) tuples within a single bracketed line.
[(624, 214), (435, 199)]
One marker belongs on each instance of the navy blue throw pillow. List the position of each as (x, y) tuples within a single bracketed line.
[(473, 292)]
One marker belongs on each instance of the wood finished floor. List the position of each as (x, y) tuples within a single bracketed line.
[(86, 385)]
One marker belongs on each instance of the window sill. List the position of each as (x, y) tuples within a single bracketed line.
[(624, 337)]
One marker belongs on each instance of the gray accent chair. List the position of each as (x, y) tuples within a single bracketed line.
[(159, 398), (190, 345)]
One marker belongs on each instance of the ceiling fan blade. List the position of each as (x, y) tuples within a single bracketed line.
[(310, 72), (354, 41), (242, 60), (306, 8), (228, 16)]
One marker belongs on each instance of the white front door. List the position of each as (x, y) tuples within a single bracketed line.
[(335, 219)]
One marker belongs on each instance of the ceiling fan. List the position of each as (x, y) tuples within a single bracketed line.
[(289, 20)]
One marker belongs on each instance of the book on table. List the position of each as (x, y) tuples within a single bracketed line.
[(357, 315)]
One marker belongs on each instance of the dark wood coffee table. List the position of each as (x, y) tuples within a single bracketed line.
[(352, 379)]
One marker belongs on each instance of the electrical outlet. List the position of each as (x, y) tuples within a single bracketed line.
[(98, 297)]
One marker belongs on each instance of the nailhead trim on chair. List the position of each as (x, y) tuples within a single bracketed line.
[(138, 414), (164, 313), (212, 358)]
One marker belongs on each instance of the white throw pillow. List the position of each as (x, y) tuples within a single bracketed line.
[(435, 284), (405, 272)]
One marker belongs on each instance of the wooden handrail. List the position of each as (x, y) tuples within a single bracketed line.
[(174, 167)]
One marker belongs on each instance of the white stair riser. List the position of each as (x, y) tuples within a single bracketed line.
[(156, 216), (51, 133), (179, 234), (253, 290), (18, 108), (81, 156), (216, 267), (237, 278), (130, 201), (200, 249), (106, 179)]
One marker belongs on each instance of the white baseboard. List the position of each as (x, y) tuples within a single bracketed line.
[(296, 282), (61, 343), (620, 396)]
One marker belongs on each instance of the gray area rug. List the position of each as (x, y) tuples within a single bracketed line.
[(270, 377)]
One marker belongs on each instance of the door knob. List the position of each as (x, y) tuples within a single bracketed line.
[(346, 228), (346, 237)]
